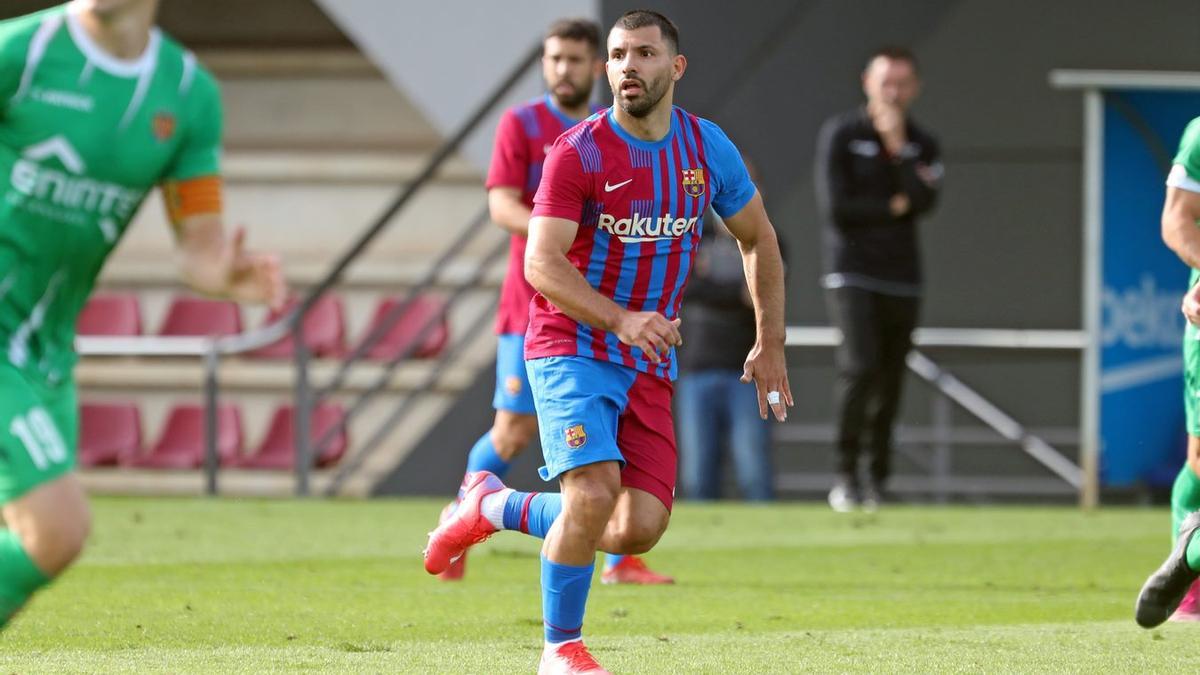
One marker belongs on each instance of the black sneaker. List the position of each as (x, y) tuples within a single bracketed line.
[(844, 497), (1164, 590)]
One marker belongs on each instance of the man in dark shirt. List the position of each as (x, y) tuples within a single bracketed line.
[(876, 172)]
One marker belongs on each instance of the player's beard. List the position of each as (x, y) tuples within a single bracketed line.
[(578, 96), (652, 92)]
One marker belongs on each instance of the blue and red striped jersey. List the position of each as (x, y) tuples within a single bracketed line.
[(639, 205), (523, 139)]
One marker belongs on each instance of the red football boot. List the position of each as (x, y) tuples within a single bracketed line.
[(458, 568), (631, 570), (569, 658), (465, 527)]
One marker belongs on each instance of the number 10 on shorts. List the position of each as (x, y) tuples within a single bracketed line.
[(40, 437)]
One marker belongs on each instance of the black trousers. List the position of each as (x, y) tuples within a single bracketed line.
[(877, 334)]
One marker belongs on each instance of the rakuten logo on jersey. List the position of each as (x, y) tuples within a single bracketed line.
[(636, 228), (66, 195)]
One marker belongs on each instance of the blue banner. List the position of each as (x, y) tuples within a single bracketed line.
[(1142, 432)]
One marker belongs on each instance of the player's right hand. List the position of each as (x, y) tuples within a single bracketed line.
[(649, 331)]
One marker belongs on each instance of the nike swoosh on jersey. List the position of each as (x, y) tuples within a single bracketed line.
[(610, 188)]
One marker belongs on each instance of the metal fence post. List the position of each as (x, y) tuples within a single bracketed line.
[(943, 424), (212, 361), (302, 408)]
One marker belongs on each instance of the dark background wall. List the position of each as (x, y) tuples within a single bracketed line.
[(1003, 248)]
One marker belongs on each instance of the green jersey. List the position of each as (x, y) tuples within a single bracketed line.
[(84, 137), (1185, 174)]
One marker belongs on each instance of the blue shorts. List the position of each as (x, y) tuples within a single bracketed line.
[(592, 411), (513, 393)]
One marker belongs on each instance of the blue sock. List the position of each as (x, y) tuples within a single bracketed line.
[(611, 560), (564, 599), (483, 457), (532, 512)]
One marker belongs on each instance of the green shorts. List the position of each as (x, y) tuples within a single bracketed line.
[(1191, 379), (39, 429)]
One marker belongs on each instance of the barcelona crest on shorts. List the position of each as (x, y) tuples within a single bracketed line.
[(575, 436), (693, 182)]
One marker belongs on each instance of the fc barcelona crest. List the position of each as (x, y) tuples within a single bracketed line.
[(575, 436), (693, 182)]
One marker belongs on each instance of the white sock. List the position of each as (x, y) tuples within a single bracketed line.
[(492, 507)]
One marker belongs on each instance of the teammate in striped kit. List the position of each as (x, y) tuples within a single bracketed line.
[(570, 66), (615, 222)]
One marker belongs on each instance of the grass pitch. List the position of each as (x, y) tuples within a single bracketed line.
[(174, 585)]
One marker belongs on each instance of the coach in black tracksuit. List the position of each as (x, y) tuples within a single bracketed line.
[(876, 173)]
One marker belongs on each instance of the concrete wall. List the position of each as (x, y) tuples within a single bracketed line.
[(231, 23), (447, 56)]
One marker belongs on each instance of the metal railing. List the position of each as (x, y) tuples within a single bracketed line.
[(950, 391), (213, 349)]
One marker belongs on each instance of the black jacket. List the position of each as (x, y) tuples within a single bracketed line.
[(865, 245)]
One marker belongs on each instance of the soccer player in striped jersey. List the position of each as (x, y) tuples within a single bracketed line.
[(570, 66), (97, 107), (615, 223)]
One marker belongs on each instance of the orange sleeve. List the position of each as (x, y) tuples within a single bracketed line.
[(192, 197)]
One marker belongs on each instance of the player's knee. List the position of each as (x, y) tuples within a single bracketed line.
[(635, 535), (54, 543), (512, 434), (591, 502)]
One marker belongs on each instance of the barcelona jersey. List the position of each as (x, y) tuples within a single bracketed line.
[(639, 205), (523, 138)]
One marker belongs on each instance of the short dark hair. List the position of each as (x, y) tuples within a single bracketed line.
[(583, 30), (641, 18), (894, 53)]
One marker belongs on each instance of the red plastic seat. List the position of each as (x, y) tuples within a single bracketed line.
[(199, 316), (110, 314), (108, 433), (180, 445), (324, 330), (278, 448), (408, 327)]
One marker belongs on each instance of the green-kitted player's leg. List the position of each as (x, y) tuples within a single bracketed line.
[(44, 506), (1185, 494), (19, 576)]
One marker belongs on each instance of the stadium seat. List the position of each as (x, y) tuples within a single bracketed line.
[(278, 447), (108, 433), (198, 316), (324, 330), (110, 314), (408, 327), (180, 445)]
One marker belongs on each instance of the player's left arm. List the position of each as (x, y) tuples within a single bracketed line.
[(766, 364), (737, 201), (212, 261)]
